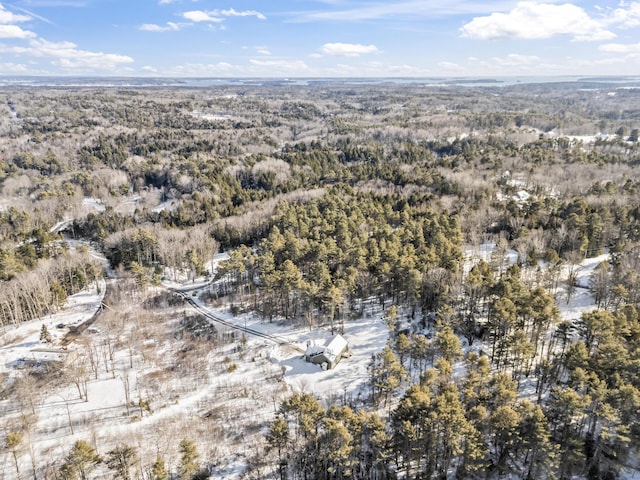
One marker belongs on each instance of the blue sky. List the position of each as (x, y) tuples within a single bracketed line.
[(321, 38)]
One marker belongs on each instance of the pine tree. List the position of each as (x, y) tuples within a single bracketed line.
[(501, 321), (565, 412), (594, 326), (159, 470), (409, 426), (474, 458), (336, 448), (45, 336), (448, 344), (372, 444), (420, 350), (278, 439), (478, 285), (80, 461), (505, 422), (387, 374), (13, 443), (308, 414), (391, 317), (121, 460), (403, 347), (448, 429), (539, 451), (188, 466)]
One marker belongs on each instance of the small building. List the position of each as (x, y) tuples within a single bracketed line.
[(51, 357), (327, 355)]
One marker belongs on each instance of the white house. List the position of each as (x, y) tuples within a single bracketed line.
[(327, 355)]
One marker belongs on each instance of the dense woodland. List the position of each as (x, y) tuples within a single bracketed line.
[(333, 199)]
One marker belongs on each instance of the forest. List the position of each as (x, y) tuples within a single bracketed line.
[(314, 209)]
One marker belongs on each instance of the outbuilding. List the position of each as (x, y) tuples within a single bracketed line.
[(51, 357)]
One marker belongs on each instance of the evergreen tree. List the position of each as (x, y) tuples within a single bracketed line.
[(403, 347), (45, 336), (372, 443), (391, 317), (159, 470), (278, 439), (565, 412), (448, 344), (13, 443), (80, 462), (188, 466), (448, 431), (387, 374), (501, 322), (336, 450), (505, 422), (409, 422), (121, 460), (420, 351), (540, 458)]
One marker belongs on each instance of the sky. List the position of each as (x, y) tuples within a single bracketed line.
[(319, 38)]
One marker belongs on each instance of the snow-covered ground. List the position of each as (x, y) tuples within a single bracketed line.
[(366, 336), (242, 385), (168, 205), (485, 251), (234, 387), (17, 344), (94, 204), (581, 300), (211, 117)]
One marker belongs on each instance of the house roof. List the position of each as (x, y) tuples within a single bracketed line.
[(334, 347), (50, 355)]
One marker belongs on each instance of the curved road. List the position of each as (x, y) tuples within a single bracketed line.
[(250, 331)]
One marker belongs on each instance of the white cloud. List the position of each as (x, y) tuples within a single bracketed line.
[(203, 70), (532, 20), (411, 9), (170, 26), (341, 70), (14, 31), (627, 16), (348, 49), (67, 55), (280, 66), (450, 66), (246, 13), (214, 16), (620, 48), (56, 3), (14, 68), (405, 70), (263, 51), (515, 60), (200, 16), (8, 17)]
